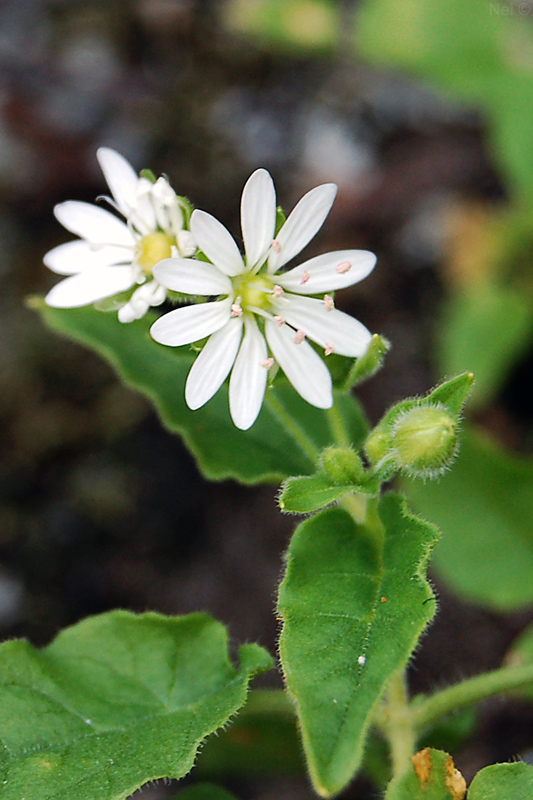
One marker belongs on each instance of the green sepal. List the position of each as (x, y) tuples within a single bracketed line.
[(148, 174), (114, 702), (187, 209), (352, 611), (281, 219), (363, 368), (380, 445), (503, 782), (431, 775), (340, 472)]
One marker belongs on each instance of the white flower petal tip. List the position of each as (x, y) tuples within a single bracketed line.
[(248, 378), (258, 215), (191, 323), (121, 178), (89, 286), (217, 243)]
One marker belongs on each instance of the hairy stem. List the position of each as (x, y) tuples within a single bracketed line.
[(427, 711), (396, 722)]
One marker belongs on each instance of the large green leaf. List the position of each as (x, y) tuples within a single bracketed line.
[(503, 782), (485, 331), (484, 507), (430, 776), (114, 702), (352, 614), (269, 451)]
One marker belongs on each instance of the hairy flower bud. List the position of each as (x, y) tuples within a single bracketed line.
[(342, 465), (424, 439)]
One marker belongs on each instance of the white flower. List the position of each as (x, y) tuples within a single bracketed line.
[(260, 309), (113, 255)]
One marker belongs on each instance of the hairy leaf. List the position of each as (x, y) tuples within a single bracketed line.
[(499, 781), (114, 702), (352, 614), (431, 776)]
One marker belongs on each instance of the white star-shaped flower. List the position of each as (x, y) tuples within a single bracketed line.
[(260, 310), (112, 254)]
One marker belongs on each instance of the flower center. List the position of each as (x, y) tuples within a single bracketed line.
[(253, 291), (152, 249)]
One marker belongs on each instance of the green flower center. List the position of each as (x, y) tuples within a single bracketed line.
[(152, 249), (253, 291)]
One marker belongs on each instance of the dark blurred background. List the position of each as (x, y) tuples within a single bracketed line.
[(99, 506)]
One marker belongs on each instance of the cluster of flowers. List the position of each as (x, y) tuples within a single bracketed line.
[(255, 316)]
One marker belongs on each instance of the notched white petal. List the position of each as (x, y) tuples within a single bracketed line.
[(258, 215), (248, 378), (212, 366), (76, 256), (303, 222), (120, 176), (217, 243), (94, 224), (190, 324), (89, 286), (322, 273), (333, 330), (188, 276), (301, 364)]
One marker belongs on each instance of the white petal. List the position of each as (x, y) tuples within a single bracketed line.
[(190, 324), (89, 286), (189, 276), (73, 257), (212, 366), (248, 378), (322, 275), (95, 224), (121, 178), (343, 333), (303, 222), (216, 242), (143, 215), (301, 364), (258, 215)]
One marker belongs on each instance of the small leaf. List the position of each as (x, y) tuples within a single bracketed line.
[(503, 782), (430, 776), (268, 452), (484, 507), (352, 616), (204, 791), (114, 702)]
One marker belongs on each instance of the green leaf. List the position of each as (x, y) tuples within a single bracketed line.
[(484, 507), (352, 614), (486, 332), (114, 702), (268, 452), (503, 782), (430, 776), (204, 791)]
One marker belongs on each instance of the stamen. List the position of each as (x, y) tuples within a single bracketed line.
[(344, 266), (276, 246), (267, 363), (328, 302), (280, 320), (305, 277), (236, 310), (300, 336), (278, 291), (329, 349)]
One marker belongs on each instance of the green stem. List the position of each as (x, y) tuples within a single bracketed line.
[(288, 421), (427, 711), (338, 426), (396, 722)]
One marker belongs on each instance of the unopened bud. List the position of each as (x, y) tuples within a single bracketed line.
[(342, 465), (424, 439)]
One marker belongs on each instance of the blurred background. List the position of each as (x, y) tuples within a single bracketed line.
[(422, 113)]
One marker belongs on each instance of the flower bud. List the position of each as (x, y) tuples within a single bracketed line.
[(342, 465), (424, 439)]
